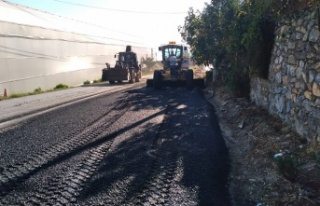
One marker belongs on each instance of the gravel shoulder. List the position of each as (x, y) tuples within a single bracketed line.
[(270, 164)]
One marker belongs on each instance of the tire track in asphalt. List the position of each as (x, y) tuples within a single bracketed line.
[(156, 183), (12, 175), (119, 188), (65, 188)]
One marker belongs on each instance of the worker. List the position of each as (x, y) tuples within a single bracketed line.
[(172, 61)]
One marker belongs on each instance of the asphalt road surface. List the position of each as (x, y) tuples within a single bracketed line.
[(137, 146)]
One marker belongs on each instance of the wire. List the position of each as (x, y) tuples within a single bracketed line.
[(119, 10), (75, 20)]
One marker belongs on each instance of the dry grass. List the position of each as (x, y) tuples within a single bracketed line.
[(254, 138)]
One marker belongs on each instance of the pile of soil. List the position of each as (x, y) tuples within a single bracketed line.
[(270, 163)]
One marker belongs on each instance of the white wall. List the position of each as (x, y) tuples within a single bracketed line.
[(32, 57)]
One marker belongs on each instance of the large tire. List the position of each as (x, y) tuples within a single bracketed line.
[(149, 82), (104, 76), (157, 79), (137, 76), (131, 76), (189, 79)]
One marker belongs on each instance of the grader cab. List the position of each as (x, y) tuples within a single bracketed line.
[(176, 70)]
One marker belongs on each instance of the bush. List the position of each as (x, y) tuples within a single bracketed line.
[(37, 90), (86, 82), (209, 76), (17, 95), (61, 86), (287, 167)]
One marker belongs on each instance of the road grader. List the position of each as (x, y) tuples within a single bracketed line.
[(176, 70), (126, 68)]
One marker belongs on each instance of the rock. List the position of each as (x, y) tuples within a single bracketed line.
[(310, 173), (316, 89), (317, 78), (241, 124), (308, 95), (291, 45), (291, 60), (314, 35), (285, 129), (311, 75)]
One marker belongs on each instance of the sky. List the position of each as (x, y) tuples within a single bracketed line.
[(149, 22)]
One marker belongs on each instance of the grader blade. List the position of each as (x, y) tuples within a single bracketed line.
[(199, 83)]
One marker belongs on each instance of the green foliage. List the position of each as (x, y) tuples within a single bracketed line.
[(37, 90), (235, 36), (86, 82), (287, 167), (17, 95), (148, 62), (209, 76), (61, 86), (316, 157)]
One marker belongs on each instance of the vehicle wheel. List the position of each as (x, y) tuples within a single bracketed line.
[(119, 81), (111, 82), (149, 82), (137, 77), (189, 78), (104, 76), (157, 79), (131, 77)]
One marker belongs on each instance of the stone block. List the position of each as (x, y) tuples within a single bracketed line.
[(301, 46), (292, 81), (304, 77), (277, 89), (299, 36), (311, 75), (316, 66), (314, 35), (299, 72), (295, 90), (316, 48), (317, 78), (280, 104), (310, 55), (291, 60), (317, 103), (278, 77), (300, 55), (291, 45), (285, 80), (308, 95), (316, 89), (291, 70), (301, 29)]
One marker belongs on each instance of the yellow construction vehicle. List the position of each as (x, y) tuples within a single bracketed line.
[(175, 71), (126, 68)]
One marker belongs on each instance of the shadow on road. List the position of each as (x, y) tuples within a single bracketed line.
[(183, 159)]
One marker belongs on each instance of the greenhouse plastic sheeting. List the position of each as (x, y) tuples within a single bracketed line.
[(33, 56)]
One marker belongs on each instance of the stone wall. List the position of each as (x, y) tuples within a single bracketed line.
[(292, 90)]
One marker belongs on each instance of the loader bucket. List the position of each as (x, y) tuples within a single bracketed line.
[(112, 74)]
